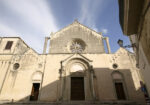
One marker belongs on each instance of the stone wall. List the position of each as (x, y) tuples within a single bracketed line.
[(60, 40), (103, 82), (18, 83)]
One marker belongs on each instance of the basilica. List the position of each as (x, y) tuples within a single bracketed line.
[(74, 66)]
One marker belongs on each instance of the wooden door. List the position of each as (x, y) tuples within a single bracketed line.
[(35, 92), (77, 88), (120, 91)]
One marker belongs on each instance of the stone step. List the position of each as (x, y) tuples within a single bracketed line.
[(74, 103)]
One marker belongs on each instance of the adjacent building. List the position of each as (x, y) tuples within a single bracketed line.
[(135, 23)]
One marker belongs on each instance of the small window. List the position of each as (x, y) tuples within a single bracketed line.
[(8, 45), (115, 66), (16, 66)]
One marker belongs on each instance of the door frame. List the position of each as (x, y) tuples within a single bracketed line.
[(83, 87), (32, 90), (124, 88)]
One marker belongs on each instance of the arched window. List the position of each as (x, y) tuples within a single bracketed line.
[(119, 85)]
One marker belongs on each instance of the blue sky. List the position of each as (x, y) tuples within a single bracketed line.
[(32, 20)]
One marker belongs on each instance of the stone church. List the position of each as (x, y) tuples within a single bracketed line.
[(74, 66)]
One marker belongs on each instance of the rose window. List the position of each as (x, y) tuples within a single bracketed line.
[(77, 46)]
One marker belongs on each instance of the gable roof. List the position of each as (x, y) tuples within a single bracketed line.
[(75, 23)]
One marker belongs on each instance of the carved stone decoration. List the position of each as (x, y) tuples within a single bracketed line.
[(76, 68), (113, 59), (40, 65), (76, 46)]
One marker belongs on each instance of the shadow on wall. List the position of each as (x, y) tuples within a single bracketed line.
[(104, 85)]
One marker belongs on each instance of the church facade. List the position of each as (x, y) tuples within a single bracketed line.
[(76, 67)]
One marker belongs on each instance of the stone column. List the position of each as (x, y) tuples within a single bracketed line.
[(92, 83), (45, 44), (108, 46)]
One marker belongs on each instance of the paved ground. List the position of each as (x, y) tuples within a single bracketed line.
[(72, 103)]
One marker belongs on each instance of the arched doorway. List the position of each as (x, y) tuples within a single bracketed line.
[(119, 85), (77, 80), (36, 80)]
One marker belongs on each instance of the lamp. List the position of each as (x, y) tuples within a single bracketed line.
[(120, 42)]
